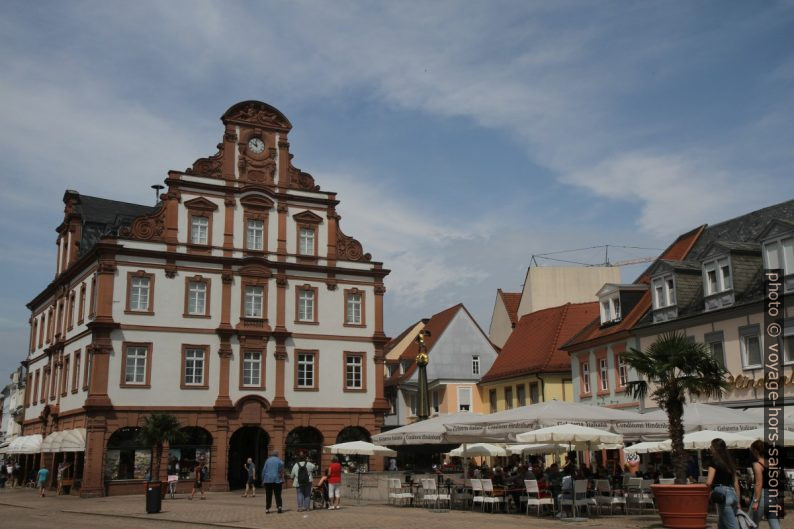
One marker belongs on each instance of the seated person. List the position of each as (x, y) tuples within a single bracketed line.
[(498, 476)]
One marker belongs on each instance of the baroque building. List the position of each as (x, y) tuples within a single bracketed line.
[(236, 303)]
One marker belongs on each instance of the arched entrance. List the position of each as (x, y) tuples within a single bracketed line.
[(354, 433), (303, 439), (248, 441)]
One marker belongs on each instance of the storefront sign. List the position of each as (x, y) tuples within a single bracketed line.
[(744, 382)]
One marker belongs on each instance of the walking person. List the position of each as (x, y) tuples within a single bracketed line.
[(62, 466), (724, 483), (41, 480), (199, 475), (250, 470), (335, 482), (302, 472), (272, 480), (760, 506), (10, 473)]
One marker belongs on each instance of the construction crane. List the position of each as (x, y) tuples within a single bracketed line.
[(606, 262)]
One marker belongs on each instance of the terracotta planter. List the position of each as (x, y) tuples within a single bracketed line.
[(682, 506)]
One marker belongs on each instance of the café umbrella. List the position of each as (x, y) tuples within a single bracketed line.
[(785, 437), (569, 433), (479, 450), (701, 440), (359, 448)]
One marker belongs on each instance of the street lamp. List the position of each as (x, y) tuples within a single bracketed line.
[(157, 188), (423, 404)]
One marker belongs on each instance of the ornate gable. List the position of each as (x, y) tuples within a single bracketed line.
[(149, 227), (349, 248), (210, 167), (258, 114)]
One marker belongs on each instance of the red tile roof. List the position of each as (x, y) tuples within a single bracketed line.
[(593, 331), (534, 345), (511, 301), (436, 325)]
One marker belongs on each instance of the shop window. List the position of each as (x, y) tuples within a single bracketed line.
[(126, 458), (192, 449)]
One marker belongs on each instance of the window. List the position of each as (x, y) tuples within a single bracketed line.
[(194, 366), (254, 296), (125, 457), (92, 305), (663, 292), (751, 347), (606, 311), (306, 370), (65, 375), (197, 297), (76, 372), (623, 372), (255, 234), (36, 387), (610, 309), (70, 312), (616, 307), (534, 393), (718, 276), (354, 372), (41, 329), (81, 309), (475, 364), (780, 254), (714, 341), (435, 401), (521, 393), (788, 349), (252, 369), (305, 310), (306, 241), (464, 399), (405, 365), (492, 400), (34, 327), (136, 365), (603, 372), (140, 292), (509, 398), (585, 371), (354, 307), (199, 230), (87, 369)]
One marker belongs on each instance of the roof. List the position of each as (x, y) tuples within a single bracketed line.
[(677, 251), (534, 345), (101, 217), (436, 325), (511, 301)]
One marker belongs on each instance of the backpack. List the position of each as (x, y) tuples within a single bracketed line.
[(303, 475)]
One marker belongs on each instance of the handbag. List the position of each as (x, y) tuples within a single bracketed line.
[(745, 522)]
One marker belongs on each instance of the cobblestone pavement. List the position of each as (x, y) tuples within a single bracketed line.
[(24, 509)]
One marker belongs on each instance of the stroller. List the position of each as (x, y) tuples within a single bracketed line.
[(320, 496)]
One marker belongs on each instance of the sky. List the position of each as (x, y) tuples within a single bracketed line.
[(462, 137)]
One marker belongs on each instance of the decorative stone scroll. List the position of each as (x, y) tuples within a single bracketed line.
[(257, 113), (208, 167), (349, 248), (147, 228), (300, 179)]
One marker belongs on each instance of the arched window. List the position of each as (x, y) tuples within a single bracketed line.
[(304, 439), (354, 433), (193, 449), (126, 457)]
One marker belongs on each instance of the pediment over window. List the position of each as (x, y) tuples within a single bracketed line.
[(666, 266), (201, 204), (776, 228), (720, 249), (307, 217), (259, 202), (255, 271)]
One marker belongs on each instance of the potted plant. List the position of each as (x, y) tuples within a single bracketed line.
[(671, 369), (156, 430)]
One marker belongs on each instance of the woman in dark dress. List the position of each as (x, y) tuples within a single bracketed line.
[(760, 504), (723, 480)]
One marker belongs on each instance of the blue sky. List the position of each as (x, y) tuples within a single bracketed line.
[(462, 137)]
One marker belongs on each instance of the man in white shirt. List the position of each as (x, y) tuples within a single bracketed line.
[(302, 473)]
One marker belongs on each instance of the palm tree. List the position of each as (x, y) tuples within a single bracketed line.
[(156, 430), (672, 368)]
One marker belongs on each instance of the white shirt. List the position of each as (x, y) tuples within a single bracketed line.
[(309, 466)]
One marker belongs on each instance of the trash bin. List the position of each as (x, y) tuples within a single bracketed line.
[(154, 497)]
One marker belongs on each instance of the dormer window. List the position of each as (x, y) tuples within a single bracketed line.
[(780, 254), (404, 365), (663, 292), (717, 276), (610, 309)]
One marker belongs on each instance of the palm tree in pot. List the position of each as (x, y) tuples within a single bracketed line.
[(156, 430), (673, 368)]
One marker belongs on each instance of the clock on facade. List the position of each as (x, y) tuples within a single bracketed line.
[(256, 145)]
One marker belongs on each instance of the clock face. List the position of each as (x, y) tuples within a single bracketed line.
[(256, 145)]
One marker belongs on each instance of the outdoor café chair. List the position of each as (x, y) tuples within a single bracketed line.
[(477, 493), (579, 498), (432, 494), (533, 496), (666, 481), (398, 494), (488, 495), (606, 497)]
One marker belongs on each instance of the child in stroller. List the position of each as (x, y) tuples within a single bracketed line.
[(320, 494)]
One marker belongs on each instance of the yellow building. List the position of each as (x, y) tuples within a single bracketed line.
[(531, 367)]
